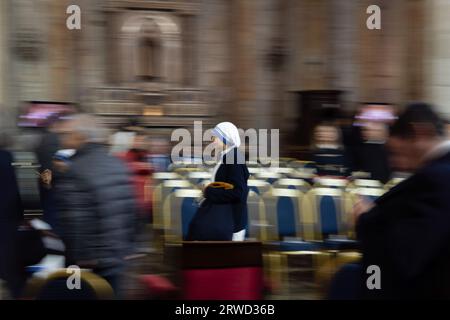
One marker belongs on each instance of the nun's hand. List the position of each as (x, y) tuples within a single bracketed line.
[(204, 187)]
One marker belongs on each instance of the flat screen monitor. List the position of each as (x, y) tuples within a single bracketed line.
[(35, 114), (375, 112)]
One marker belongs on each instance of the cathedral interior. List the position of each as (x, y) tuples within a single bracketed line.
[(263, 64), (255, 63)]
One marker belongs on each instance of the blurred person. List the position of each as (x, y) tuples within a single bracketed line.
[(96, 204), (61, 163), (406, 232), (350, 140), (61, 160), (328, 152), (11, 215), (159, 156), (122, 140), (136, 159), (230, 169), (49, 144), (371, 154)]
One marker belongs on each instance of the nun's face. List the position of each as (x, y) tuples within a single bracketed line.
[(218, 143)]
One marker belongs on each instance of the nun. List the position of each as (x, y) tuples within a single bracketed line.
[(223, 214)]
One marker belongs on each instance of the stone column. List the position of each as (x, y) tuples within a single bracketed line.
[(437, 83), (381, 53), (89, 49), (254, 35), (189, 43), (61, 65), (29, 64), (213, 32), (343, 60), (243, 64), (4, 108), (415, 50), (310, 47)]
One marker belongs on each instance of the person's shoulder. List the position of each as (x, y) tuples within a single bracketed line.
[(436, 173), (97, 167)]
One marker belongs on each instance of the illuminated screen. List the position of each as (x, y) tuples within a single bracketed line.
[(375, 112), (36, 114)]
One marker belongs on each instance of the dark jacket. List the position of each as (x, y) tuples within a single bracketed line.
[(45, 151), (233, 170), (407, 234), (330, 162), (373, 158), (10, 202), (47, 147), (11, 215), (96, 208)]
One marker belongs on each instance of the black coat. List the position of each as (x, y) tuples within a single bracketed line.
[(11, 215), (10, 203), (235, 172), (96, 208), (407, 234), (373, 158), (330, 162), (48, 146)]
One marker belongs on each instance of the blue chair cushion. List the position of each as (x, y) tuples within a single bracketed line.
[(328, 215), (188, 209), (296, 245), (254, 189), (286, 217), (340, 244)]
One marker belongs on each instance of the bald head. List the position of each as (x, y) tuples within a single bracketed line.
[(81, 129)]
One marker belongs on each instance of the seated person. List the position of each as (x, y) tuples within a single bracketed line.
[(371, 154), (328, 152)]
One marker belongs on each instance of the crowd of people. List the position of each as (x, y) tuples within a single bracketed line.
[(95, 198), (96, 194)]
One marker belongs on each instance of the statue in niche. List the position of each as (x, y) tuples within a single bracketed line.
[(148, 59), (149, 52)]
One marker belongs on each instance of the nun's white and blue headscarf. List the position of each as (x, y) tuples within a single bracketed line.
[(228, 133)]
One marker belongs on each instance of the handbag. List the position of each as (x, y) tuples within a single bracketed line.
[(212, 221)]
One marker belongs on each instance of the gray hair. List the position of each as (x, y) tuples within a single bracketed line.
[(90, 126)]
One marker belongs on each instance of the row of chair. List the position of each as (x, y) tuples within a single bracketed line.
[(288, 221), (335, 197), (289, 208), (265, 179), (294, 218)]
